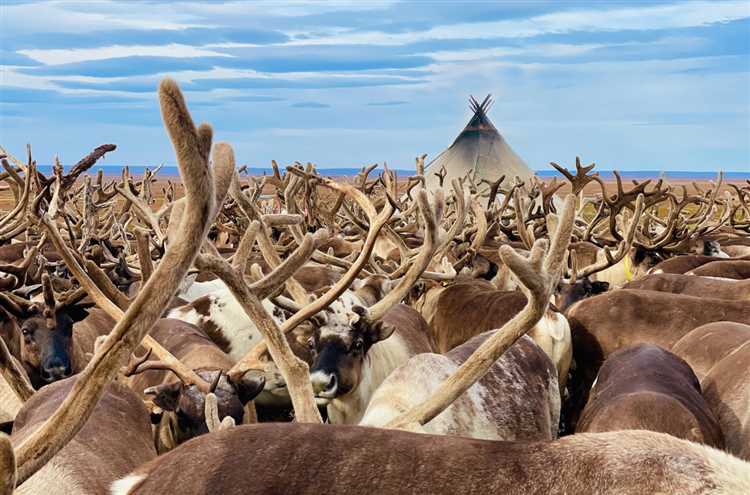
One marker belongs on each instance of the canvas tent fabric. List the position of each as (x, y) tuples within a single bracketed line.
[(479, 149)]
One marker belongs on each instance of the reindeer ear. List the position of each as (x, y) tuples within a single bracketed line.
[(249, 386), (599, 287), (377, 331), (166, 396), (77, 312)]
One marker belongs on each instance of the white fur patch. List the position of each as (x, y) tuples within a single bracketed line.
[(199, 289), (125, 485), (340, 316), (231, 320), (730, 474), (552, 334)]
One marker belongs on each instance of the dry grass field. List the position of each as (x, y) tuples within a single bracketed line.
[(7, 201)]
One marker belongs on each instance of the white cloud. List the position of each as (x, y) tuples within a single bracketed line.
[(93, 15), (72, 55), (281, 8), (545, 49), (681, 15)]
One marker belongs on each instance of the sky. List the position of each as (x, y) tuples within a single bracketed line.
[(645, 85)]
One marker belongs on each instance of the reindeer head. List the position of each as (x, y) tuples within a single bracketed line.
[(44, 331), (187, 402), (185, 399), (340, 344)]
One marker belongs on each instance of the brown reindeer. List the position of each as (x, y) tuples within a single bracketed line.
[(183, 402), (645, 387), (685, 263), (115, 440), (616, 463), (719, 354), (734, 269), (52, 339), (689, 285), (727, 391), (708, 344)]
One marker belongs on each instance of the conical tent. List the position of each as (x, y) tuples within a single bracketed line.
[(479, 150)]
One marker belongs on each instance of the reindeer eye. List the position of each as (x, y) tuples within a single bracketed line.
[(311, 343), (357, 346)]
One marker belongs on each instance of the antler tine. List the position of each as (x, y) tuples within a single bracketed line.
[(539, 275), (132, 367), (143, 248), (441, 174), (420, 164), (458, 223), (49, 301)]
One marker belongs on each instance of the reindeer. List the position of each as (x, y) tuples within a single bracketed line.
[(645, 387), (46, 338), (727, 392), (698, 286), (718, 353), (708, 344), (685, 263), (182, 402), (518, 399), (737, 270), (594, 463), (115, 439)]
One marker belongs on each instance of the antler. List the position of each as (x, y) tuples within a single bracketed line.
[(13, 374), (622, 249), (7, 466), (192, 146), (539, 275), (431, 218), (581, 178)]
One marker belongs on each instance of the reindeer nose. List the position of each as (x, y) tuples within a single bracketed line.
[(55, 370), (324, 384)]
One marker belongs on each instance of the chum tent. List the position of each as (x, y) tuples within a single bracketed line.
[(481, 150)]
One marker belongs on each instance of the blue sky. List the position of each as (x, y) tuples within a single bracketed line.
[(630, 85)]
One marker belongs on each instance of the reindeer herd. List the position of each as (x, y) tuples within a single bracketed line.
[(296, 334)]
